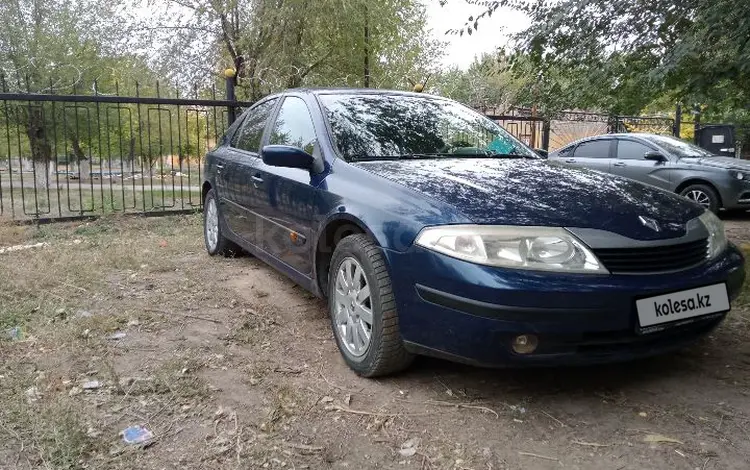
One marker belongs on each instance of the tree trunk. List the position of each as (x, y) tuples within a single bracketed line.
[(131, 156), (41, 150), (367, 49), (83, 163)]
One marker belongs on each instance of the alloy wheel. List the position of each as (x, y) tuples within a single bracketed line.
[(353, 307), (700, 197), (212, 224)]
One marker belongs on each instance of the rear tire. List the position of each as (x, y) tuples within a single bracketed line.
[(213, 232), (365, 294), (704, 195)]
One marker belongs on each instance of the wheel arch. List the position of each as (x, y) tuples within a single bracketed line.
[(205, 188), (701, 181), (332, 232)]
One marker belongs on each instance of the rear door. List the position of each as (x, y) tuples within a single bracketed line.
[(595, 154), (630, 163), (242, 157), (284, 198)]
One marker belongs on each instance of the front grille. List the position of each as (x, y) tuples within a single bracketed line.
[(653, 259)]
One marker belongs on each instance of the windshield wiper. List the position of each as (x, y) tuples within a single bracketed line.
[(509, 155)]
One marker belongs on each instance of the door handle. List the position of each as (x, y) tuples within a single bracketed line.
[(570, 160), (619, 164), (219, 168), (256, 180)]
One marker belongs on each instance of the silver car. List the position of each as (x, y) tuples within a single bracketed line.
[(667, 162)]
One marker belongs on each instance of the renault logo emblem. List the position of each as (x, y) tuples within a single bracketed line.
[(650, 223)]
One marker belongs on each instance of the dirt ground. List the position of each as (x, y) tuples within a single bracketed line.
[(230, 365)]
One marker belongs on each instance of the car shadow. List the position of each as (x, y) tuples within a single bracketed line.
[(667, 373), (735, 215)]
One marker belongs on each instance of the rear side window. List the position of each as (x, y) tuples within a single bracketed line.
[(294, 126), (248, 137), (593, 149), (631, 150)]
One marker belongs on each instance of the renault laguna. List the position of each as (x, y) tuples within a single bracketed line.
[(431, 230)]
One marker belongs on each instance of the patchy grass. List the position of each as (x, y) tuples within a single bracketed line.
[(67, 201), (126, 321), (68, 298)]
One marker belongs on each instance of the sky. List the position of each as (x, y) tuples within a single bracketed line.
[(493, 31)]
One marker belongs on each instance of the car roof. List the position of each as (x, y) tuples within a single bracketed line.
[(361, 91), (636, 135)]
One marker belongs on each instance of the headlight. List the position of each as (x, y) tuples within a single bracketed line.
[(740, 175), (717, 238), (537, 248)]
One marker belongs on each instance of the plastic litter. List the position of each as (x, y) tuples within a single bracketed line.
[(116, 336), (91, 385), (409, 448), (136, 435), (14, 333)]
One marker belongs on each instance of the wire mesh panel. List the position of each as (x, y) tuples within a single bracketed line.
[(67, 156), (570, 126)]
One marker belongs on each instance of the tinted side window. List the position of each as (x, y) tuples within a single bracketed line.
[(294, 126), (593, 149), (631, 150), (249, 136), (566, 152)]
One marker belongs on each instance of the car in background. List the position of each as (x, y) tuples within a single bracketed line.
[(431, 230), (669, 163)]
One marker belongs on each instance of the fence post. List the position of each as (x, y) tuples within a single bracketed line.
[(613, 124), (697, 127), (545, 134), (677, 120), (231, 79)]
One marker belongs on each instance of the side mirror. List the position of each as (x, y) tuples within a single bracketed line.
[(542, 153), (287, 156), (654, 156)]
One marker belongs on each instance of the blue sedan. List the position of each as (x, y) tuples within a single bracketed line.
[(431, 230)]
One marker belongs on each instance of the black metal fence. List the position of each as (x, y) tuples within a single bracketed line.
[(72, 156), (67, 156)]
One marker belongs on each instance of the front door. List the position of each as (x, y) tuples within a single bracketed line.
[(241, 160), (285, 197), (630, 163)]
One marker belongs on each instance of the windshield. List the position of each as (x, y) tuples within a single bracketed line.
[(678, 147), (375, 126)]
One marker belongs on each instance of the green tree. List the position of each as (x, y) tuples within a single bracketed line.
[(52, 45), (277, 44), (635, 52)]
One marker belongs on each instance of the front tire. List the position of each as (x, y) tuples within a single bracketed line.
[(363, 309), (704, 195), (213, 235)]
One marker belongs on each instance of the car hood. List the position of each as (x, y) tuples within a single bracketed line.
[(539, 192), (719, 162)]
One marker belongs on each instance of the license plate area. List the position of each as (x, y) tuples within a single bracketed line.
[(657, 312)]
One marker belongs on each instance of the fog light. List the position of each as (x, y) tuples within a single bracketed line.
[(525, 344)]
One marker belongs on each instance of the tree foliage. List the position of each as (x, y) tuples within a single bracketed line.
[(632, 52), (277, 44)]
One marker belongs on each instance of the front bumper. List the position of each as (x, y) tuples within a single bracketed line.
[(734, 193), (470, 313)]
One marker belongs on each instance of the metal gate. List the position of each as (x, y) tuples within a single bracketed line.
[(74, 156)]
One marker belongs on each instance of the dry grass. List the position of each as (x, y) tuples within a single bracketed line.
[(68, 297), (228, 379)]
